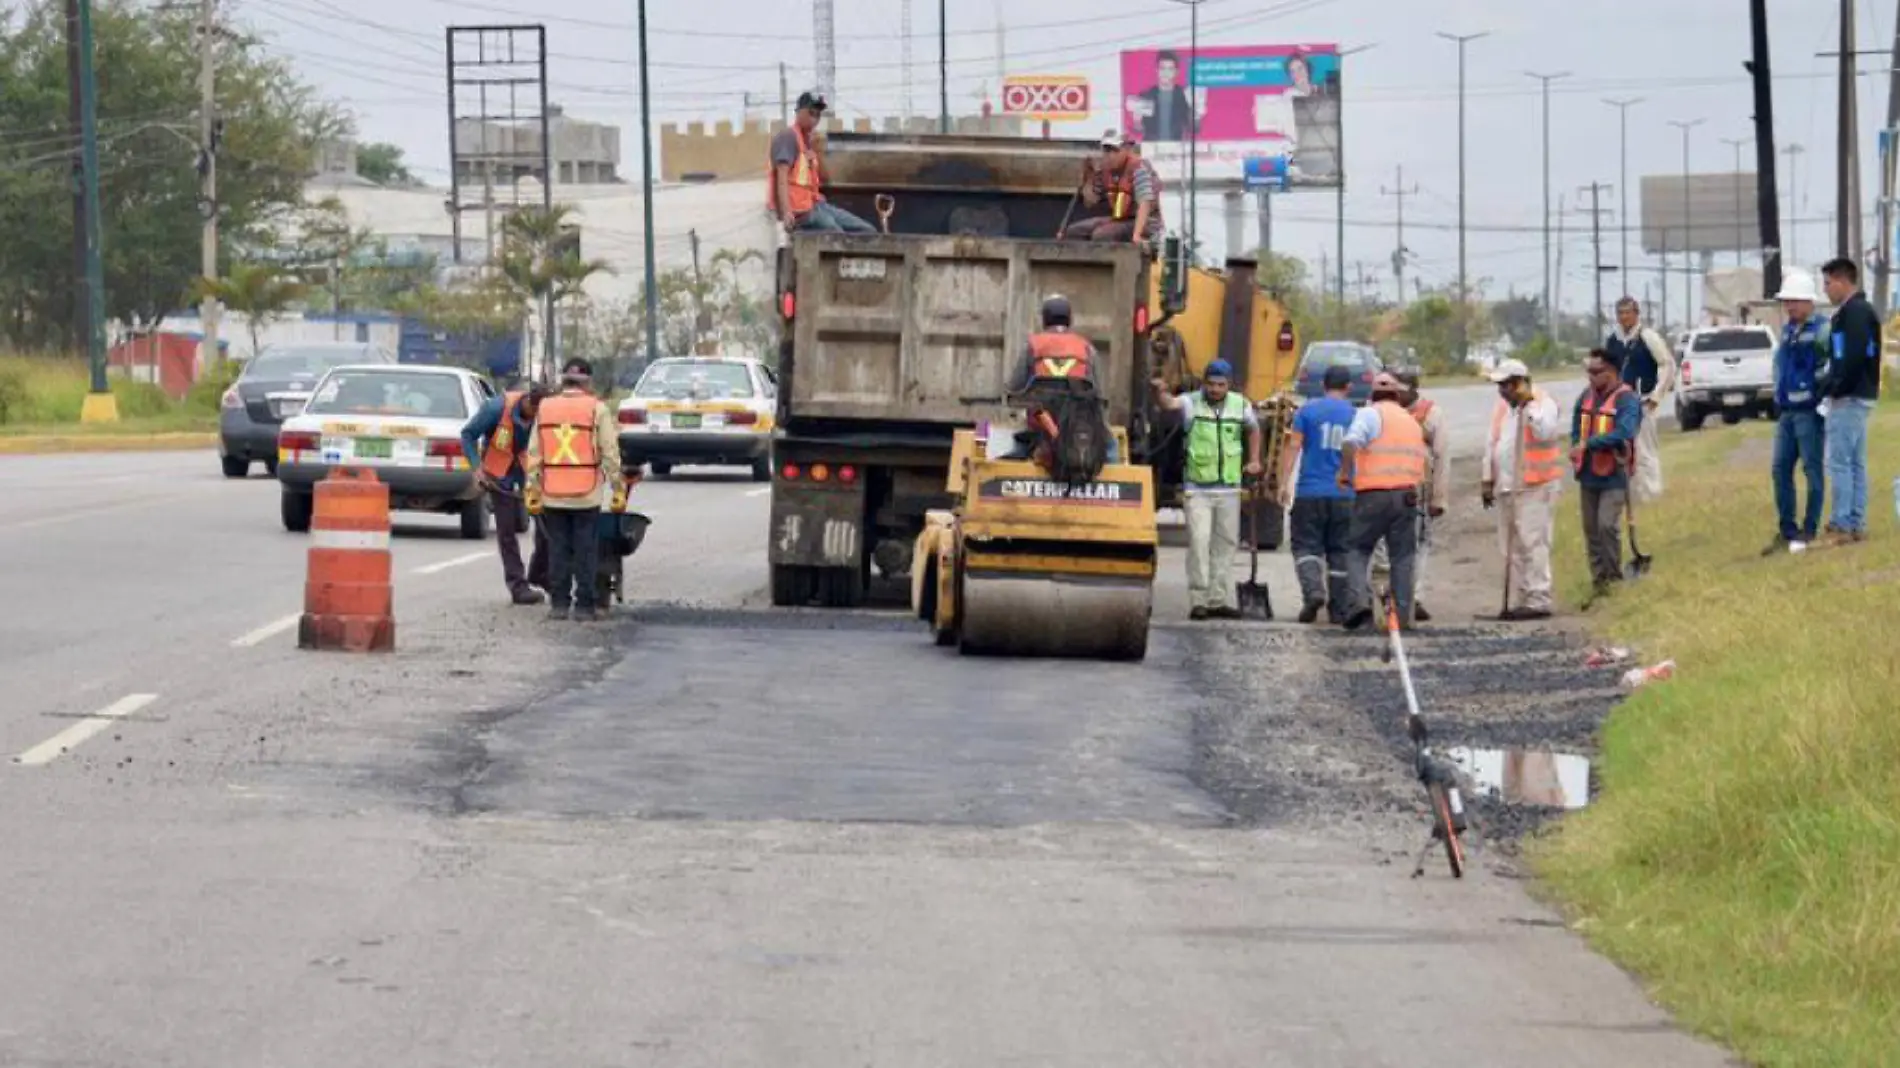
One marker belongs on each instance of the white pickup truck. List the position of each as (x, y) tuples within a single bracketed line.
[(1727, 370)]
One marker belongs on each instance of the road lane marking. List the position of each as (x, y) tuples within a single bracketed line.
[(50, 749), (432, 569), (760, 492), (267, 631)]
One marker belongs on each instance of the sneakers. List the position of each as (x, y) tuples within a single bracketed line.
[(1419, 615), (1197, 613), (586, 615), (1224, 613), (1523, 615), (528, 595), (558, 613), (1309, 612), (1358, 619)]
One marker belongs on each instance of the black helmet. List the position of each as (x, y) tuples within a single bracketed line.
[(813, 100), (1055, 310)]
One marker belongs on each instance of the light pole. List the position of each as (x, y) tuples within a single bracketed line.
[(1339, 195), (646, 196), (943, 66), (1794, 203), (1194, 119), (1623, 182), (1464, 293), (1550, 313), (1736, 143), (99, 405), (1688, 223)]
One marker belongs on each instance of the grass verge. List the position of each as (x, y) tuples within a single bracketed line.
[(40, 399), (1744, 858)]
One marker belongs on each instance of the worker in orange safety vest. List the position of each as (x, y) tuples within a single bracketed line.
[(495, 440), (1384, 460), (1603, 437), (794, 191), (1054, 356), (573, 469), (1523, 469)]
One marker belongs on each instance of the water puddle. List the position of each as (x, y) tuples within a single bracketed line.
[(1527, 776)]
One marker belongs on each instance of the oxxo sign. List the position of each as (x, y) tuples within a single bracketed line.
[(1049, 97)]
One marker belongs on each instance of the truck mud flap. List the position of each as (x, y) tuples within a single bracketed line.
[(813, 527)]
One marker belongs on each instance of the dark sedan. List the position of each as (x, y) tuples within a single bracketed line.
[(273, 387), (1361, 360)]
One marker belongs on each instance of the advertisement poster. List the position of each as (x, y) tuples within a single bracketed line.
[(1251, 111)]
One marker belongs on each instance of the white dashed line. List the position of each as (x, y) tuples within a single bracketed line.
[(50, 749), (432, 569), (760, 492), (267, 631)]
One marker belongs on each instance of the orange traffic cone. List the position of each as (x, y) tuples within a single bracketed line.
[(348, 601)]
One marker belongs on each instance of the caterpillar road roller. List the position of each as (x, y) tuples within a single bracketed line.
[(1026, 565)]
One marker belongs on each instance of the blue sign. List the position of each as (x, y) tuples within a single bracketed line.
[(1264, 172)]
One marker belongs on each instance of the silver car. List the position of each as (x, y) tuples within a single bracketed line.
[(273, 387)]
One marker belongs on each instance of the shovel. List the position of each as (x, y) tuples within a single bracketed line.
[(1252, 595)]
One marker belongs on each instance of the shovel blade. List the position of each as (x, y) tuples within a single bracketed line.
[(1254, 600), (1638, 566)]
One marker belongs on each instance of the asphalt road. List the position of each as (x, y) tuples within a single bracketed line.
[(706, 833)]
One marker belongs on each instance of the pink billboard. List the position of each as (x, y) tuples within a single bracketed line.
[(1255, 108)]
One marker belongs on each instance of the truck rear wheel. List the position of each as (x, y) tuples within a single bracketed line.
[(792, 586)]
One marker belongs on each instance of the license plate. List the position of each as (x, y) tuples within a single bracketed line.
[(684, 421), (1734, 400), (861, 268), (372, 448)]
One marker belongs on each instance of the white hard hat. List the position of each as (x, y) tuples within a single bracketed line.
[(1509, 369), (1797, 285)]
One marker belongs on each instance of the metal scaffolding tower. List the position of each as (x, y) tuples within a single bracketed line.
[(499, 143)]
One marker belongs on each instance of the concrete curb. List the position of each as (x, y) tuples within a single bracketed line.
[(53, 443)]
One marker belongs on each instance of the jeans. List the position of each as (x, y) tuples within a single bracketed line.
[(1213, 518), (1847, 462), (1391, 515), (1798, 436), (508, 509), (826, 218), (573, 555), (1320, 529), (1603, 532)]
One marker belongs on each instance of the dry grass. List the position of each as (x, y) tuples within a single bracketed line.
[(1745, 856), (42, 395)]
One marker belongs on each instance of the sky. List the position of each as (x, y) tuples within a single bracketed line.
[(711, 58)]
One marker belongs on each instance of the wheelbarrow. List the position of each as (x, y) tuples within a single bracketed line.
[(620, 536)]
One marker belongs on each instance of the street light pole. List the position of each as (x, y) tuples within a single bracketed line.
[(99, 405), (1464, 292), (1623, 183), (646, 196), (1688, 223), (1194, 121), (943, 66), (1339, 198), (1736, 143), (1550, 312), (1794, 204)]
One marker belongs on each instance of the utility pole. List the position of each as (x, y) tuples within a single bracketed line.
[(785, 96), (76, 130), (1688, 223), (1398, 192), (1793, 152), (1596, 190), (1664, 281), (1623, 178), (208, 125), (1339, 199), (1464, 290), (646, 194), (1847, 165), (1557, 287), (99, 405), (943, 66), (1550, 311), (1883, 268), (1736, 143), (1767, 206), (1194, 123), (1264, 200)]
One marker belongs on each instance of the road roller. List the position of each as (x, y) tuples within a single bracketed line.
[(1029, 566)]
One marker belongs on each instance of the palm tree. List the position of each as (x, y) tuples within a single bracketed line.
[(258, 291), (540, 260)]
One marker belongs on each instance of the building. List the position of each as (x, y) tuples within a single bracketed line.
[(503, 153)]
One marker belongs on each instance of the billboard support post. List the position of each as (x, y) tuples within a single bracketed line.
[(1688, 220)]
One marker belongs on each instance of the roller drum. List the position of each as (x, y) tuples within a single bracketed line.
[(1042, 616)]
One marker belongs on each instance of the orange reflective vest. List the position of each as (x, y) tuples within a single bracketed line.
[(1397, 458), (1059, 354), (1599, 417), (802, 182), (503, 451), (1121, 193), (570, 457), (1543, 458)]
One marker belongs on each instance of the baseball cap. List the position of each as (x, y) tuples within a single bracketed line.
[(1219, 369), (1509, 369), (811, 99)]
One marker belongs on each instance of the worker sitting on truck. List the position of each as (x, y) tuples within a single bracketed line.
[(793, 192), (1067, 430), (1129, 186)]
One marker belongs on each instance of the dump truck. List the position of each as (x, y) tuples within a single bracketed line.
[(892, 342)]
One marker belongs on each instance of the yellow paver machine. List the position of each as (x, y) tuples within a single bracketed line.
[(1029, 566)]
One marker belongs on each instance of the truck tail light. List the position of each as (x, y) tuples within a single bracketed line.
[(1685, 372), (632, 416), (787, 304), (1141, 318), (1286, 335), (790, 472), (297, 441), (742, 418), (847, 474), (820, 473)]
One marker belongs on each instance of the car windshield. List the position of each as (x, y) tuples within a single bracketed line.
[(1328, 354), (371, 392), (704, 379), (1732, 341), (291, 362)]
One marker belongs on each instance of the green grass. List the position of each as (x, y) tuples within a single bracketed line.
[(43, 394), (1744, 858)]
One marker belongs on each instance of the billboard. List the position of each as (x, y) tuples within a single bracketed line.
[(1261, 115), (1049, 97), (1700, 213)]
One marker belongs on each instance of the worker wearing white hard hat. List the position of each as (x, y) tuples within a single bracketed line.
[(1800, 428), (1523, 475)]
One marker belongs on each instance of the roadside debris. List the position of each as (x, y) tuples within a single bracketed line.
[(1636, 677), (1606, 655)]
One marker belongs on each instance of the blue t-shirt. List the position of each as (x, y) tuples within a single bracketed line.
[(1322, 424)]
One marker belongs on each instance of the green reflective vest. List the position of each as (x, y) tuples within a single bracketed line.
[(1214, 447)]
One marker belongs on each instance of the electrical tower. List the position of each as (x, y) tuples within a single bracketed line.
[(825, 41), (498, 125)]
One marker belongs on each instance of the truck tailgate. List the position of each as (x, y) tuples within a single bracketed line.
[(926, 330)]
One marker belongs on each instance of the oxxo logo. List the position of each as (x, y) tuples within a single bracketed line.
[(1055, 97)]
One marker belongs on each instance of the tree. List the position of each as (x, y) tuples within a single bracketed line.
[(540, 261), (382, 163), (258, 291), (148, 178), (1520, 318)]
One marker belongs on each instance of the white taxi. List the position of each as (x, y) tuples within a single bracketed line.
[(404, 423), (700, 410)]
